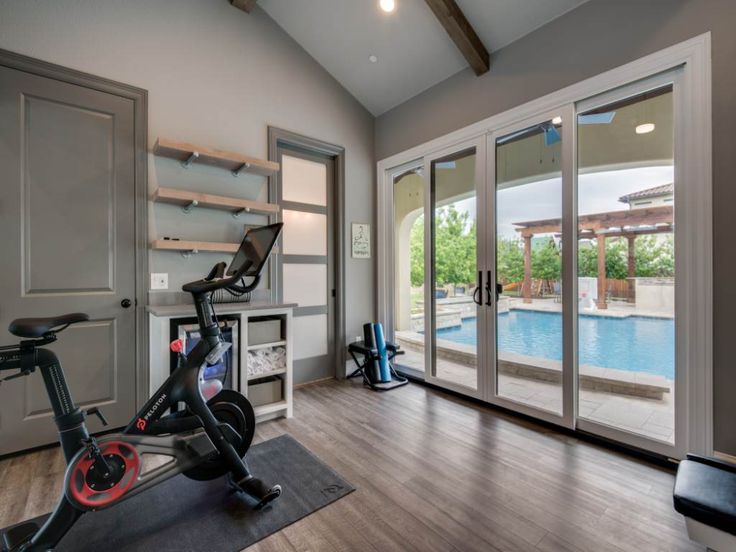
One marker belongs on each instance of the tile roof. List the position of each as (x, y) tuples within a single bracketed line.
[(664, 189)]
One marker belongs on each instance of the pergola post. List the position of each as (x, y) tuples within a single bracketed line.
[(527, 286), (601, 302), (631, 282)]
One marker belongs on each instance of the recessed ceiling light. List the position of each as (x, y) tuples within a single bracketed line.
[(645, 128), (387, 5), (372, 58), (557, 120)]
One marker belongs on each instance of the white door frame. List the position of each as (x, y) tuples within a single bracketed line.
[(695, 91), (387, 253)]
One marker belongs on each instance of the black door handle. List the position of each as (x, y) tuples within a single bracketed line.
[(125, 303), (489, 293), (476, 294)]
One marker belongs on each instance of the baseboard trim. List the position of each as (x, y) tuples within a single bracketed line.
[(724, 456)]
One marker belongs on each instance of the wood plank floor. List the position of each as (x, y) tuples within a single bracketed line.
[(435, 473)]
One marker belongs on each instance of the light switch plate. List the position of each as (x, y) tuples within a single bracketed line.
[(159, 280)]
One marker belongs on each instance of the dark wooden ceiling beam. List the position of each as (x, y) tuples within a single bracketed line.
[(245, 5), (462, 34)]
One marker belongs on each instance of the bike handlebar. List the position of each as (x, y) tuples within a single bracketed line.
[(216, 280)]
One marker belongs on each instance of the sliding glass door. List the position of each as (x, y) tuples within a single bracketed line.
[(628, 265), (407, 275), (527, 318), (543, 267), (454, 225)]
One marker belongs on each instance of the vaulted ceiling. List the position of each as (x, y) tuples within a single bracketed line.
[(411, 49)]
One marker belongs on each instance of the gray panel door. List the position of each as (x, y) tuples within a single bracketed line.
[(67, 221), (306, 266)]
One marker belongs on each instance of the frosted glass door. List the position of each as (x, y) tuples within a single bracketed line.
[(306, 274)]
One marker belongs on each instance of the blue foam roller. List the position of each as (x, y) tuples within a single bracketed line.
[(384, 369)]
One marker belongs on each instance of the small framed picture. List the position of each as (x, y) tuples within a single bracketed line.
[(361, 240)]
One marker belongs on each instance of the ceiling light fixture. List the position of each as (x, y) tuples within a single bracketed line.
[(372, 58), (387, 5), (645, 128), (557, 120)]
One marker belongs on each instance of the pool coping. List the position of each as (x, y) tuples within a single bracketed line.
[(595, 378)]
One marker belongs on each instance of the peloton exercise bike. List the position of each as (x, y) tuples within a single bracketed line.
[(205, 440)]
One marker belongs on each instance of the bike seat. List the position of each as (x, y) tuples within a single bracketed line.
[(36, 327)]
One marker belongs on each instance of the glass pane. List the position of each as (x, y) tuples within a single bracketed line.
[(409, 268), (529, 266), (310, 336), (305, 284), (626, 265), (304, 233), (454, 269), (303, 181)]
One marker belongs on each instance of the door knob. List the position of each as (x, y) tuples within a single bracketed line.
[(125, 303)]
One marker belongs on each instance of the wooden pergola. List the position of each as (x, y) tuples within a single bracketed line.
[(614, 224)]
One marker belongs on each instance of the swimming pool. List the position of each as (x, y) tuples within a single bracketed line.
[(634, 344)]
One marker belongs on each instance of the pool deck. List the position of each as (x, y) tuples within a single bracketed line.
[(652, 418), (616, 309)]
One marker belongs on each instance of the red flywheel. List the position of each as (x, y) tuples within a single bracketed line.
[(91, 485)]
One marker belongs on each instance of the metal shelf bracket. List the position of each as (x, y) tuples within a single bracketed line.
[(237, 214), (188, 208), (191, 159), (241, 168)]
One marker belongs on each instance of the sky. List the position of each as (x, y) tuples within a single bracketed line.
[(597, 193)]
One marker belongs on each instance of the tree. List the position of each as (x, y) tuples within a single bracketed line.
[(546, 262), (510, 260), (655, 257), (455, 244), (616, 259), (416, 252)]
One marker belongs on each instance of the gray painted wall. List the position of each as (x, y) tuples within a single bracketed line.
[(597, 36), (215, 76)]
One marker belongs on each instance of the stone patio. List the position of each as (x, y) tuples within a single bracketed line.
[(652, 418)]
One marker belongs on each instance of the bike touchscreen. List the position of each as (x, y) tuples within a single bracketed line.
[(255, 249)]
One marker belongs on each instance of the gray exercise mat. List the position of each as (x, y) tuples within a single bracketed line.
[(186, 516)]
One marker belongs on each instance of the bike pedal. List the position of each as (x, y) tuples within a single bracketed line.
[(272, 495), (19, 535)]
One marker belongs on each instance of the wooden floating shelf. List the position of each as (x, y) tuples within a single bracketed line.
[(187, 245), (188, 153), (190, 245), (196, 199)]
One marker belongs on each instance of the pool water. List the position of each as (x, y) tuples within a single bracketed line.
[(634, 344)]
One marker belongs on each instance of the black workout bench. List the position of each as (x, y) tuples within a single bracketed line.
[(705, 493)]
